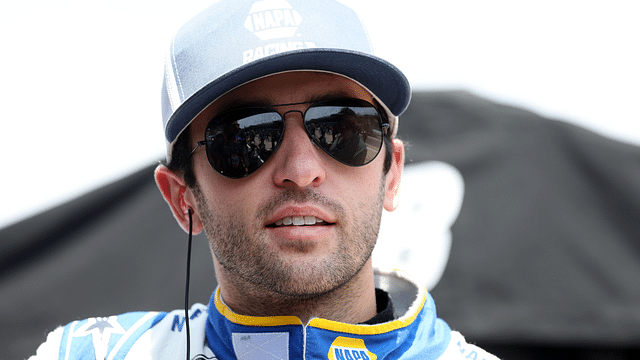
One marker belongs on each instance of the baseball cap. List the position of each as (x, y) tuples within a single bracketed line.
[(233, 42)]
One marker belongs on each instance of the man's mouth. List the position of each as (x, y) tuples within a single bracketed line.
[(299, 221)]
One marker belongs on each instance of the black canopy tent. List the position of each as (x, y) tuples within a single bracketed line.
[(545, 257)]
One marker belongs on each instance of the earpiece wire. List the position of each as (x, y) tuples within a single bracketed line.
[(186, 292)]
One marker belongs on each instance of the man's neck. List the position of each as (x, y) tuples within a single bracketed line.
[(353, 302)]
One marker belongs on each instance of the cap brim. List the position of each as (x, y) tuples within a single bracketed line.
[(382, 79)]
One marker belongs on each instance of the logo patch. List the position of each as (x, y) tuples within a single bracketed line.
[(100, 330), (344, 348), (272, 19), (259, 346), (275, 22)]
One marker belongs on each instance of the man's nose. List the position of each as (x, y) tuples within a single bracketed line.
[(298, 160)]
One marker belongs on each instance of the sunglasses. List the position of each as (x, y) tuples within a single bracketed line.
[(239, 141)]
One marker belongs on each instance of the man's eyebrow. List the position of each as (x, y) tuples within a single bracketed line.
[(245, 103), (266, 102), (326, 96)]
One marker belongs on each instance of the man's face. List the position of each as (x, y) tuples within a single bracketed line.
[(248, 220)]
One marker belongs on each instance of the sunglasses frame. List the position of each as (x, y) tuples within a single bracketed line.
[(384, 126)]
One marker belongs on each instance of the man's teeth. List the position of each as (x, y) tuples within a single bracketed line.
[(299, 220)]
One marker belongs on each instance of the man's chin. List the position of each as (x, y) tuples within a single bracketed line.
[(308, 282)]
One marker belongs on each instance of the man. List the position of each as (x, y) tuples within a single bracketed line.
[(281, 147)]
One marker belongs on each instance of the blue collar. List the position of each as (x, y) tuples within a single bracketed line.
[(417, 333)]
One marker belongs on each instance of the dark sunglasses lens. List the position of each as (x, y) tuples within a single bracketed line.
[(240, 141), (348, 130)]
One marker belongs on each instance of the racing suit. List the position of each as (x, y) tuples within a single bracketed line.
[(219, 333)]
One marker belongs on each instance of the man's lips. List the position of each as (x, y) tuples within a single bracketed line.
[(299, 216)]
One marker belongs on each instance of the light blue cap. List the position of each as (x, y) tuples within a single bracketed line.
[(233, 42)]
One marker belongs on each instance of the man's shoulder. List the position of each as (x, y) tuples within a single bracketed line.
[(119, 335)]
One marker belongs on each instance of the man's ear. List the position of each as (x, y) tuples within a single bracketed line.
[(392, 185), (179, 197)]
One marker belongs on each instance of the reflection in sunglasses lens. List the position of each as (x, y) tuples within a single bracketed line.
[(240, 141)]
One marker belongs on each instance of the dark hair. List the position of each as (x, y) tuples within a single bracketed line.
[(182, 163)]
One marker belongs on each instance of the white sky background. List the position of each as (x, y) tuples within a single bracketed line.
[(80, 88)]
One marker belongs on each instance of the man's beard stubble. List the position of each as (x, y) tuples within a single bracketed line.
[(235, 244)]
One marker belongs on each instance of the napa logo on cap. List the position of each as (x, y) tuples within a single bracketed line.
[(275, 22), (272, 19), (344, 348)]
